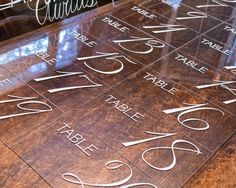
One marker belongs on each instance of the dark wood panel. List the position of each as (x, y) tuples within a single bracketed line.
[(133, 102), (232, 22), (138, 49), (22, 109), (178, 12), (150, 26), (223, 34), (66, 147), (68, 82), (110, 69), (220, 12), (220, 170), (145, 88), (216, 57), (16, 173), (220, 58), (212, 83), (114, 127)]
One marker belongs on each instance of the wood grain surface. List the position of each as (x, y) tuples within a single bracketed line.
[(117, 97)]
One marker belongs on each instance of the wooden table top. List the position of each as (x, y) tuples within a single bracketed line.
[(137, 95)]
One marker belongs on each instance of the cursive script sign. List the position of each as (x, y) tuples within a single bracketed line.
[(51, 10)]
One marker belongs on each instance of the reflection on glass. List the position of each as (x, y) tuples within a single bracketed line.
[(65, 54), (24, 51)]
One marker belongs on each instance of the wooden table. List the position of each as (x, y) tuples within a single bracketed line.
[(137, 95)]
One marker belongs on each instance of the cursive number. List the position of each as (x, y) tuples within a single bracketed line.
[(232, 68), (193, 15), (22, 106), (217, 4), (172, 148), (157, 136), (150, 42), (189, 109), (223, 84), (165, 28), (111, 165), (66, 74), (108, 56), (155, 149)]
